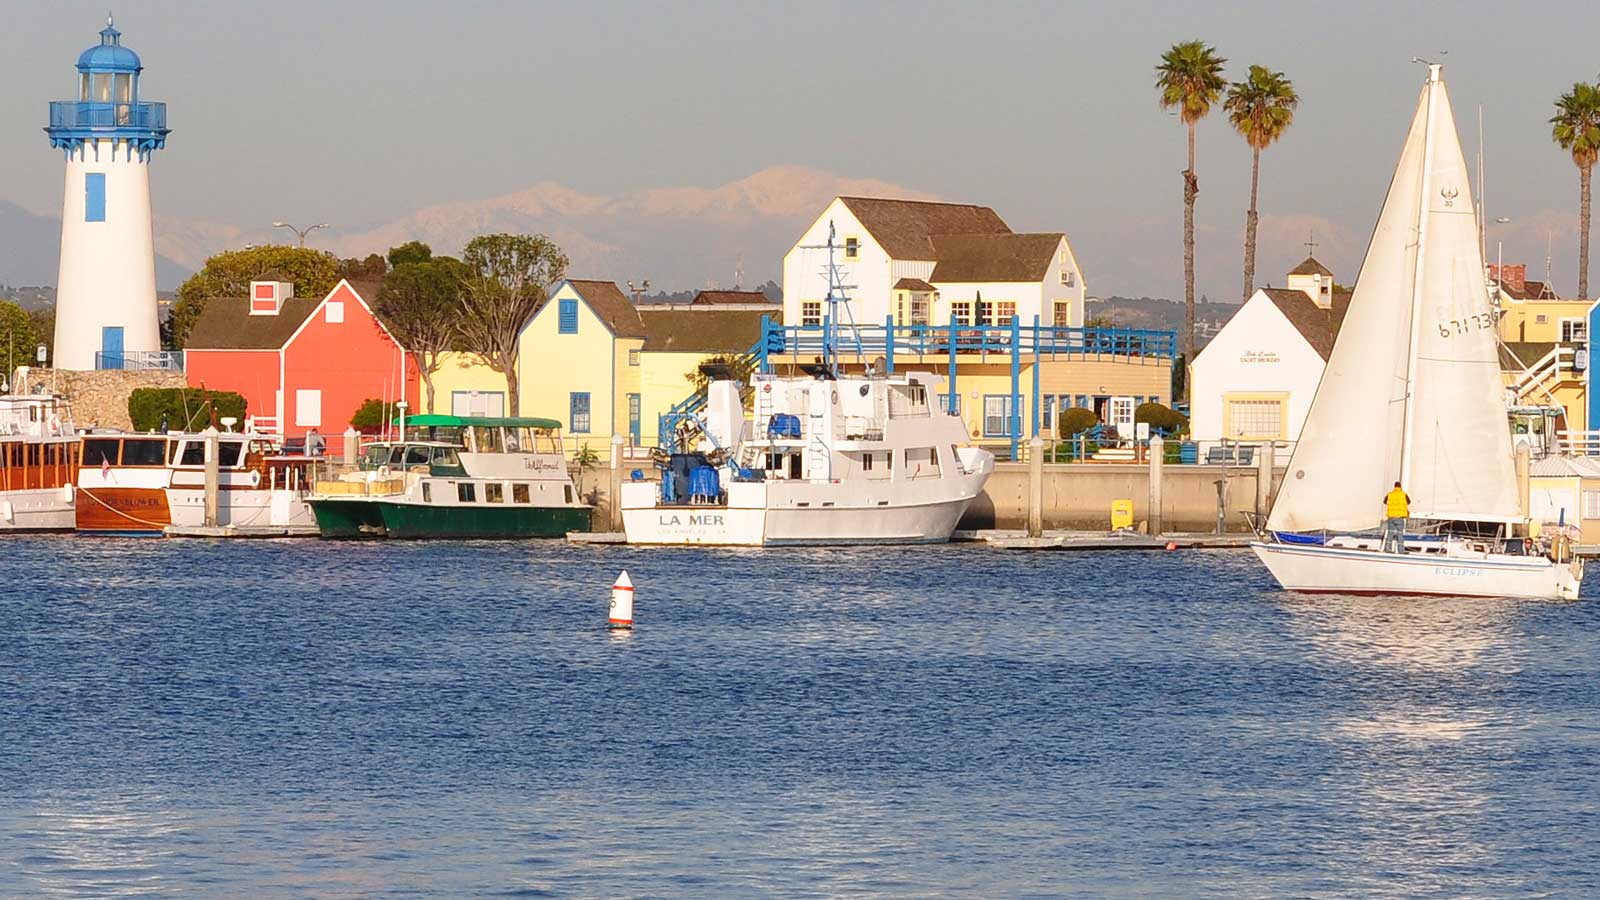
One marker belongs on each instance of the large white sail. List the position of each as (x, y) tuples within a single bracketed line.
[(1412, 388)]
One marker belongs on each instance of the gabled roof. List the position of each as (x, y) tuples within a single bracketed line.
[(1320, 327), (904, 227), (701, 330), (913, 284), (611, 306), (1530, 290), (719, 298), (993, 257), (226, 323), (1311, 267)]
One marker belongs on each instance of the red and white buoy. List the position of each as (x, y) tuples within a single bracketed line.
[(621, 603)]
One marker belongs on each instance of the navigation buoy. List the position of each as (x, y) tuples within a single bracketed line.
[(1172, 545), (621, 603)]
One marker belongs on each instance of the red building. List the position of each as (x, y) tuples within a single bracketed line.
[(300, 362)]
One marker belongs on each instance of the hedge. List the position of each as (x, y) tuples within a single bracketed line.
[(1075, 420), (373, 413), (183, 409), (1161, 418)]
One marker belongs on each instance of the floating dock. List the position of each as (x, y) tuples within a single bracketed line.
[(230, 531)]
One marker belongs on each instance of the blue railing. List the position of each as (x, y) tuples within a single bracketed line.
[(163, 360), (939, 340), (76, 114)]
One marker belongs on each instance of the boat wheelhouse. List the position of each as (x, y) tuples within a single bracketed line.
[(142, 484), (38, 459), (466, 477)]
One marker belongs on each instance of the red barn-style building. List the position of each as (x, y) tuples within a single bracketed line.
[(300, 362)]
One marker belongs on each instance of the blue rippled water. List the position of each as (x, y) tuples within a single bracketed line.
[(304, 719)]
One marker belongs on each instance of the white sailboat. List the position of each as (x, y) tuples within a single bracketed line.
[(1412, 393)]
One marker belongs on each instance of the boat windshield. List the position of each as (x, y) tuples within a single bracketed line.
[(375, 455)]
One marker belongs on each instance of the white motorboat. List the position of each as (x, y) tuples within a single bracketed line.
[(38, 458), (1412, 393), (825, 460)]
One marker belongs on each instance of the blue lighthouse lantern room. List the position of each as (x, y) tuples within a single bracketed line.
[(108, 105)]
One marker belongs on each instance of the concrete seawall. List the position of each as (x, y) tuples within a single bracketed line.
[(1079, 496)]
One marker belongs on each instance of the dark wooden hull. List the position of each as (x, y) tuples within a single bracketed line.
[(114, 510)]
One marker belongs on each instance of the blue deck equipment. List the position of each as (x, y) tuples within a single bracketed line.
[(704, 486)]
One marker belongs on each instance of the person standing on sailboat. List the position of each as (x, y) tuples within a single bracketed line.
[(1396, 510)]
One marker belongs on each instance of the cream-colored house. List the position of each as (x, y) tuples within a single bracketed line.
[(1254, 381), (924, 263)]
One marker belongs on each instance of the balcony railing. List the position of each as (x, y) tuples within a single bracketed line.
[(162, 360), (965, 340), (68, 115)]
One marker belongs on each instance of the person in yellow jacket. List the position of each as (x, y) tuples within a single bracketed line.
[(1396, 510)]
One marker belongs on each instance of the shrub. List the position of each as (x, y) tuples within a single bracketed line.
[(373, 413), (1161, 418), (1075, 421), (185, 409)]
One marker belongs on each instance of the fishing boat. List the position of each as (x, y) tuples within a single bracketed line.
[(38, 458), (466, 477), (1412, 393), (825, 458), (151, 484)]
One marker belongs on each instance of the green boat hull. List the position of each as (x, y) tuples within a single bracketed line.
[(416, 520), (348, 519)]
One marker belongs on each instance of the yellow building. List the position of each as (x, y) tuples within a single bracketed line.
[(464, 385), (1545, 340), (679, 341), (1530, 312)]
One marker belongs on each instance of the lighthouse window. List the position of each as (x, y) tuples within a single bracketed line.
[(102, 88), (94, 197), (83, 86), (124, 87)]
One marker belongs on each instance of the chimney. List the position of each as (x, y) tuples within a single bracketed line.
[(266, 297), (1513, 278)]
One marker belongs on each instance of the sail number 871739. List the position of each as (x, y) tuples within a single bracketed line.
[(1474, 322)]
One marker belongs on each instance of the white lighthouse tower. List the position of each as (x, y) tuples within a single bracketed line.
[(106, 314)]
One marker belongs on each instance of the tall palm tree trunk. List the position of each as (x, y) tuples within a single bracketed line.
[(1584, 177), (1190, 188), (1250, 220)]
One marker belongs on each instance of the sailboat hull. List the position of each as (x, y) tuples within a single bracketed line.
[(1337, 570)]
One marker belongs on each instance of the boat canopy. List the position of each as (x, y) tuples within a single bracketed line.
[(434, 420)]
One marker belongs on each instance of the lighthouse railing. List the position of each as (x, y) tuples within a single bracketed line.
[(70, 114), (160, 360)]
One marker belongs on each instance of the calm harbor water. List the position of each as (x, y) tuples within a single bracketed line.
[(304, 719)]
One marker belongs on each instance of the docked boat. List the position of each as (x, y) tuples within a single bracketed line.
[(1412, 394), (469, 477), (826, 460), (148, 484), (38, 458)]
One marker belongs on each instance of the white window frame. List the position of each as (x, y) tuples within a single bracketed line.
[(1004, 403), (810, 312), (308, 408), (1579, 330)]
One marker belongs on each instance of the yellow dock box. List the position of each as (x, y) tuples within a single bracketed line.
[(1121, 514)]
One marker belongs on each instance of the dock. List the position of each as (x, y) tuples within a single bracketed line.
[(596, 537), (1008, 539), (230, 531)]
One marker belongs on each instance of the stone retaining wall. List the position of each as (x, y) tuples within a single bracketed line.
[(100, 399)]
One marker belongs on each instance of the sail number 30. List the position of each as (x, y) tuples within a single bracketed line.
[(1474, 322)]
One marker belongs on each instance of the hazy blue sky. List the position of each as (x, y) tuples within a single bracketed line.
[(359, 112)]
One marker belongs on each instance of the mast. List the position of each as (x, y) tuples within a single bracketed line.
[(1425, 184)]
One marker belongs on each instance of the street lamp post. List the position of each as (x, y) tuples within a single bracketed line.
[(300, 232)]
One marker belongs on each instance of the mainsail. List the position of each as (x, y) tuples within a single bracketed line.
[(1412, 391)]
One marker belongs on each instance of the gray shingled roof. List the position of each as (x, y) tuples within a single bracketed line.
[(904, 227)]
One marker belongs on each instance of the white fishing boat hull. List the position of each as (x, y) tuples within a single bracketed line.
[(42, 509), (1343, 570)]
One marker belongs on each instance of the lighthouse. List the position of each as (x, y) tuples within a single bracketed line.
[(106, 289)]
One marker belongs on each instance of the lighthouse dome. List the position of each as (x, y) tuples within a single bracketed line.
[(109, 55)]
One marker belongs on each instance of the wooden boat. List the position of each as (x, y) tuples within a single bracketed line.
[(38, 459)]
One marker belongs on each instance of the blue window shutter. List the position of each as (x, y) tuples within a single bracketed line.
[(568, 323), (94, 197)]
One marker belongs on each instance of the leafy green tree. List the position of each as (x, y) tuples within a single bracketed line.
[(17, 339), (1260, 108), (1075, 420), (409, 252), (1190, 81), (373, 266), (420, 303), (229, 273), (373, 414), (1161, 418), (508, 277), (1576, 128), (44, 329)]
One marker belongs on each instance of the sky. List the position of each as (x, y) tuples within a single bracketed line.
[(359, 113)]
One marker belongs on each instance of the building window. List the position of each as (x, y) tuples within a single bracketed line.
[(466, 493), (1061, 314), (633, 357), (1082, 401), (852, 248), (810, 312), (308, 409), (1047, 413), (1574, 330), (944, 404), (961, 312), (1591, 504), (997, 415), (1541, 320), (579, 410), (335, 312), (635, 416), (919, 309), (1255, 418), (94, 197), (568, 318), (999, 312), (1069, 278), (477, 403), (427, 492)]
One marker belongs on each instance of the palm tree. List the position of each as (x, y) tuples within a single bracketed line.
[(1261, 109), (1190, 80), (1576, 128)]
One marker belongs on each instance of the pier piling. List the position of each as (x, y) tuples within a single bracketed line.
[(1158, 456), (1035, 487), (213, 476)]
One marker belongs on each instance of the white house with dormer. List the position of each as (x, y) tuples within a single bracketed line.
[(929, 263), (1254, 381)]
